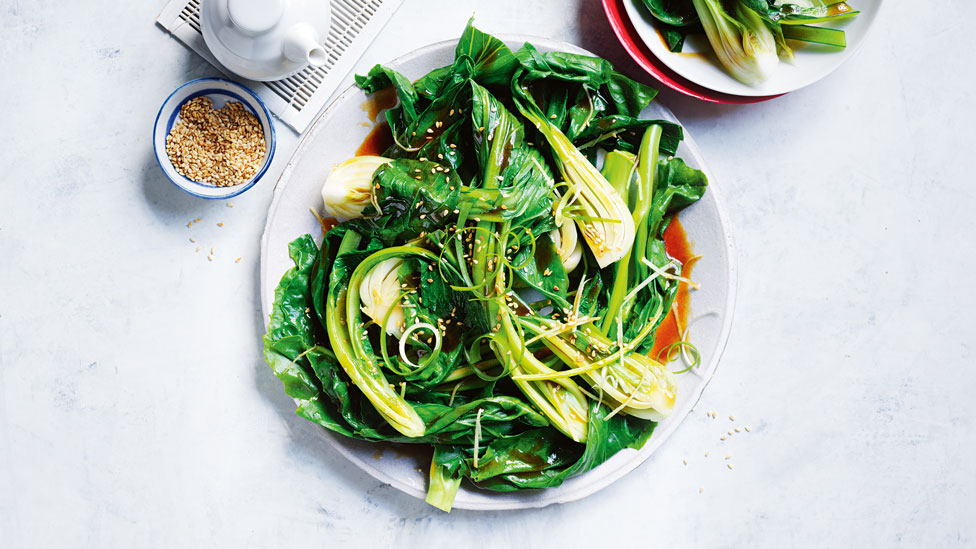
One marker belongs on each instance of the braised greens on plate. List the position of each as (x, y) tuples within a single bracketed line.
[(489, 291), (750, 36)]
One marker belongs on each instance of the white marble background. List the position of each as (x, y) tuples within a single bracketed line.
[(136, 410)]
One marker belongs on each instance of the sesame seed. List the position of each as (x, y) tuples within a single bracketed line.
[(731, 467), (198, 248), (731, 418), (451, 113), (220, 224), (728, 456), (221, 147), (701, 490), (192, 239), (723, 437), (685, 461), (748, 429), (211, 251), (238, 260), (230, 204), (210, 257), (430, 130), (706, 454), (738, 430)]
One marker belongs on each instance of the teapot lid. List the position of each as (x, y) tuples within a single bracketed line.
[(255, 16)]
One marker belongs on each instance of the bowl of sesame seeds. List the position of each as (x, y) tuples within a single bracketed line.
[(213, 138)]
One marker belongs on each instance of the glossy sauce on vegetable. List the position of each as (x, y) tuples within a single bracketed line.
[(676, 244), (380, 101), (379, 139), (660, 34)]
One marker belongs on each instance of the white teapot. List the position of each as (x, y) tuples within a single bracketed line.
[(266, 39)]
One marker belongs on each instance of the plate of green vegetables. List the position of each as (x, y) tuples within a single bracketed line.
[(474, 311), (753, 47)]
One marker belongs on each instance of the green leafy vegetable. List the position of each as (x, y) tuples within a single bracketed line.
[(455, 305), (740, 38)]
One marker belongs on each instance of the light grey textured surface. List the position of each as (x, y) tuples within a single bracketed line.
[(135, 408)]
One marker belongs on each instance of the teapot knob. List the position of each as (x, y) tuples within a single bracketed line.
[(255, 16)]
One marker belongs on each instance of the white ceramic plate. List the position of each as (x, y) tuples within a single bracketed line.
[(337, 134), (698, 63)]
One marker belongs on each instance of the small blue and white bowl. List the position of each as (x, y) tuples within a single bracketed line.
[(220, 91)]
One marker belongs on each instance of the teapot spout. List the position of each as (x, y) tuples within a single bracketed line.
[(302, 45)]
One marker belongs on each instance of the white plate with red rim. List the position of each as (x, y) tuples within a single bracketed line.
[(335, 136), (698, 63)]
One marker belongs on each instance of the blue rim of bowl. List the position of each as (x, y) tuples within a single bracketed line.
[(257, 176)]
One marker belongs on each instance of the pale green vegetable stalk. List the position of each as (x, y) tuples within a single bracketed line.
[(567, 245), (741, 40), (349, 188), (380, 294), (347, 333), (620, 168), (559, 398), (602, 216), (442, 488), (562, 402), (628, 381)]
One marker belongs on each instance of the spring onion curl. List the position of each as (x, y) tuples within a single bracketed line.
[(349, 189), (685, 349)]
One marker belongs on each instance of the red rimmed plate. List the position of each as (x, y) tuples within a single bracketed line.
[(631, 41)]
